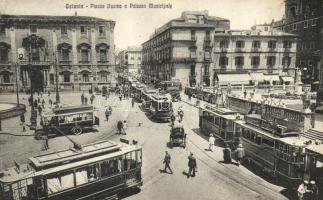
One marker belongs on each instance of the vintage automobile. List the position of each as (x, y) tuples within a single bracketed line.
[(177, 136)]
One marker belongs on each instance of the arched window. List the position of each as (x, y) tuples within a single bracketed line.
[(84, 50)]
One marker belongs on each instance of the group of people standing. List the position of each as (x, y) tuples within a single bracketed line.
[(308, 191), (84, 99)]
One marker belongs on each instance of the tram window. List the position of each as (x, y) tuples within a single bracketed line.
[(267, 142), (60, 182), (139, 157), (110, 167), (258, 140)]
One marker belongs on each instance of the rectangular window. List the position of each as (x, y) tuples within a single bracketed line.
[(295, 27), (271, 60), (103, 55), (305, 24), (287, 44), (240, 44), (6, 77), (255, 60), (66, 77), (312, 45), (256, 44), (314, 22), (224, 44), (85, 77), (2, 29), (51, 78), (272, 44), (84, 55), (193, 53), (223, 61), (101, 31), (286, 61), (239, 60), (83, 30), (3, 55), (63, 30), (33, 29), (65, 54)]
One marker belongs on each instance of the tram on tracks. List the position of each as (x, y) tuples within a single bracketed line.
[(93, 171), (69, 119), (161, 107), (146, 98), (221, 122)]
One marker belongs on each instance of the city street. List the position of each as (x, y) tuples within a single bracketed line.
[(214, 180)]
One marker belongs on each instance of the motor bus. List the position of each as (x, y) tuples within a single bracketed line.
[(161, 107), (69, 119), (146, 99), (221, 122), (274, 148), (93, 171)]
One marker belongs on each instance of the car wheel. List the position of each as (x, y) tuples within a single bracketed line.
[(39, 134), (77, 130)]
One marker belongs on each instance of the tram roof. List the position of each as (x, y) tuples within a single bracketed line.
[(159, 97), (72, 155), (317, 149), (220, 110), (71, 109)]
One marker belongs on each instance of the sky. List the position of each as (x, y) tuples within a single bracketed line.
[(135, 25)]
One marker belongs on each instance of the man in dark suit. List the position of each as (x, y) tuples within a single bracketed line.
[(191, 165), (167, 162)]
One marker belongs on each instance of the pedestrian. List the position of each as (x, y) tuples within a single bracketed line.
[(227, 154), (45, 144), (191, 165), (172, 118), (92, 98), (302, 189), (313, 191), (133, 101), (120, 97), (85, 100), (50, 102), (35, 104), (43, 103), (167, 162), (30, 101), (23, 120), (49, 93), (245, 94), (82, 98), (240, 153), (120, 127), (107, 113), (38, 100), (211, 142), (125, 126), (180, 114), (39, 109)]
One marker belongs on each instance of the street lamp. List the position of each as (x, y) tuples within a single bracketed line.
[(56, 77)]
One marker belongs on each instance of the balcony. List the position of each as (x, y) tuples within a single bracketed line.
[(255, 49), (103, 62), (65, 62), (239, 49), (183, 60), (37, 63), (84, 62), (272, 49), (287, 49)]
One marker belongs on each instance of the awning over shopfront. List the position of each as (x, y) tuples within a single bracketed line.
[(287, 79), (234, 79), (271, 77), (257, 77)]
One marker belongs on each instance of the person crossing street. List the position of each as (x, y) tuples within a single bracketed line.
[(167, 162), (191, 165)]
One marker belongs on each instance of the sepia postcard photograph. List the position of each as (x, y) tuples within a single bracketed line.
[(161, 99)]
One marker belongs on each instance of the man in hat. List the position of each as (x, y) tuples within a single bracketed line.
[(191, 165), (227, 154), (211, 142), (313, 191), (167, 162), (302, 189)]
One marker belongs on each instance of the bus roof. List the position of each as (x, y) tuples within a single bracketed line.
[(71, 109), (72, 155)]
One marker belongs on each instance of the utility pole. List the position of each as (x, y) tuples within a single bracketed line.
[(56, 77), (17, 88)]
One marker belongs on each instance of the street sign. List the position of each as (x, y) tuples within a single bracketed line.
[(21, 53)]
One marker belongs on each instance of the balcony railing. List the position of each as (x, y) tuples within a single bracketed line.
[(239, 49), (103, 62), (255, 49), (183, 60), (84, 62), (26, 62), (65, 62)]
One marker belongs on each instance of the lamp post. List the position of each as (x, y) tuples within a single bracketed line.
[(56, 77)]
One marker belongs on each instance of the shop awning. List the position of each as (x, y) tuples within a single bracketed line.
[(257, 77), (287, 79), (234, 79), (271, 77)]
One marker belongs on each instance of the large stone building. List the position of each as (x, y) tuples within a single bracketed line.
[(182, 49), (304, 17), (130, 60), (81, 49), (257, 55)]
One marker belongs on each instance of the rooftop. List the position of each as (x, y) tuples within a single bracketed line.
[(49, 18)]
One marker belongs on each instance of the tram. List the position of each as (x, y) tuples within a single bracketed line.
[(161, 107), (221, 122), (168, 86), (69, 119), (146, 99), (93, 171)]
